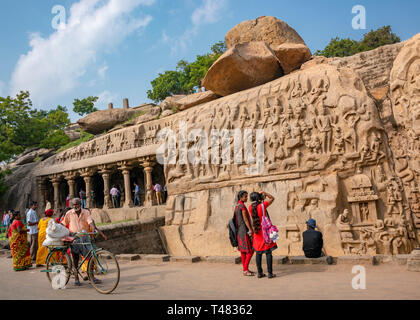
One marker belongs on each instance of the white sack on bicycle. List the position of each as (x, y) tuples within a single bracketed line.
[(52, 242), (56, 231)]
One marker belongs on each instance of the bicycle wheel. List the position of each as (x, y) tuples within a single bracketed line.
[(58, 258), (104, 271)]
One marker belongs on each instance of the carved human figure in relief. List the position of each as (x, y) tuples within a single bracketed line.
[(386, 240), (394, 199), (338, 140), (343, 224), (375, 147), (351, 119), (277, 110), (277, 151), (324, 125), (266, 119), (364, 212)]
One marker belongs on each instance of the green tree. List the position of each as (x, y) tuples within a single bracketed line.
[(85, 106), (378, 38), (187, 76), (14, 115), (22, 127), (166, 84), (348, 47), (340, 48), (219, 48)]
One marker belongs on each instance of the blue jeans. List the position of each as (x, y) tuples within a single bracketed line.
[(137, 199), (83, 203)]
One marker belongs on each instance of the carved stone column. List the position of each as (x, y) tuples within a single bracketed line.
[(123, 166), (56, 184), (105, 172), (148, 164), (87, 174), (41, 194), (70, 176)]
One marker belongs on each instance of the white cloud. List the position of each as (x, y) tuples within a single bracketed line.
[(210, 11), (102, 71), (54, 65)]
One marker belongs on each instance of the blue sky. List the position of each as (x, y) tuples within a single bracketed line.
[(114, 48)]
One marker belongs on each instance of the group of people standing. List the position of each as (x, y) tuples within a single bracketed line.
[(25, 245), (250, 235), (159, 191), (26, 242)]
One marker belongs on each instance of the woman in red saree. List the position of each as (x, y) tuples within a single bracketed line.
[(19, 244), (245, 230)]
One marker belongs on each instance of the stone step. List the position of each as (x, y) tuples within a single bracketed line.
[(156, 257), (128, 257), (189, 259), (355, 260), (399, 259), (303, 260), (223, 259)]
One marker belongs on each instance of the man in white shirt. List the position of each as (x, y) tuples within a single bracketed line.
[(32, 221), (114, 195)]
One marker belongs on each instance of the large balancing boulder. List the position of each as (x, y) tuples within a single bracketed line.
[(286, 43), (243, 66)]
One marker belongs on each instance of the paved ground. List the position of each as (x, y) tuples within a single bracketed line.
[(207, 281)]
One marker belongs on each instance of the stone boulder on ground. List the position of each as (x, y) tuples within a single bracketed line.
[(195, 99), (100, 121), (243, 66), (286, 43)]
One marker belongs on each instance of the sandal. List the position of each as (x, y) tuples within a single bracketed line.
[(261, 275), (249, 273), (271, 275)]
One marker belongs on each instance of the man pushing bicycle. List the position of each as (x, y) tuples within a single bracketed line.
[(79, 220)]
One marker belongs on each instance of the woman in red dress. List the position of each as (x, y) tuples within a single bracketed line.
[(260, 247), (243, 222)]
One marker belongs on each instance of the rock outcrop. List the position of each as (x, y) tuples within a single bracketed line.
[(286, 43), (195, 99), (102, 120), (244, 66)]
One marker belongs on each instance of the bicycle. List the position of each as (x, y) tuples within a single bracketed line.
[(102, 269)]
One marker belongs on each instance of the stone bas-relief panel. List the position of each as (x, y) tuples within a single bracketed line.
[(405, 138), (196, 222), (315, 120), (327, 155)]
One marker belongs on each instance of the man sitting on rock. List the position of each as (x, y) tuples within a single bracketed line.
[(312, 241)]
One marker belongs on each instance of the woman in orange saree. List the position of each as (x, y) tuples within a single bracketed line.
[(19, 244), (42, 227)]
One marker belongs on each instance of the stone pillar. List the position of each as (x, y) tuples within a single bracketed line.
[(71, 182), (88, 179), (56, 183), (125, 104), (128, 202), (105, 175), (148, 168), (41, 194), (87, 174)]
